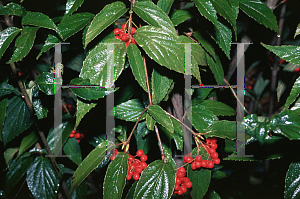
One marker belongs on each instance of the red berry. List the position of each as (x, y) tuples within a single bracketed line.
[(193, 166), (198, 164), (133, 41), (216, 161), (210, 164), (214, 145), (78, 141), (180, 192), (188, 184), (127, 43), (198, 158), (81, 135), (189, 159), (144, 158), (136, 176), (181, 169), (177, 187), (77, 135), (130, 159), (129, 176), (133, 30), (123, 26), (204, 163), (180, 174), (73, 131), (118, 37), (183, 188), (112, 157), (117, 31), (144, 165), (178, 180), (138, 170), (211, 150), (214, 155), (140, 153), (185, 179), (297, 71), (20, 74), (116, 151), (71, 135), (69, 106)]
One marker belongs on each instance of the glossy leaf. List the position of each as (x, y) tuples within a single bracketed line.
[(216, 68), (161, 117), (218, 108), (150, 122), (47, 84), (200, 95), (88, 93), (130, 110), (72, 149), (102, 20), (207, 10), (142, 142), (131, 191), (9, 154), (91, 162), (222, 129), (292, 183), (137, 65), (223, 38), (16, 171), (177, 136), (286, 123), (82, 109), (115, 178), (179, 16), (297, 31), (81, 190), (3, 107), (77, 22), (27, 142), (165, 5), (257, 127), (40, 20), (12, 9), (24, 43), (72, 6), (160, 86), (6, 89), (293, 94), (154, 16), (17, 120), (41, 178), (204, 43), (201, 117), (260, 12), (6, 37), (41, 111), (161, 46), (157, 181)]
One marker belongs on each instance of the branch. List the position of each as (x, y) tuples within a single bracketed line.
[(160, 145), (147, 81)]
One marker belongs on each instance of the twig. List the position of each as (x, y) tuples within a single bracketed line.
[(160, 145), (147, 81)]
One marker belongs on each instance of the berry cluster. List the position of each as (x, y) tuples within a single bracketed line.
[(67, 106), (77, 135), (182, 182), (136, 166), (210, 147), (123, 34)]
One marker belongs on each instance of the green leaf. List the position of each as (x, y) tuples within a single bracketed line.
[(157, 181), (91, 162), (179, 16), (257, 127), (72, 149), (154, 16), (115, 178), (222, 129), (77, 22), (47, 84), (177, 135), (201, 117), (131, 191), (216, 68), (17, 120), (161, 117), (40, 110), (150, 122), (12, 9), (260, 12), (201, 95), (81, 190), (105, 18), (130, 110), (72, 6), (293, 94), (41, 178), (165, 5), (207, 10), (6, 89), (218, 175), (204, 43), (223, 38), (213, 194), (16, 171), (24, 43), (3, 107), (6, 37), (292, 183), (260, 86), (40, 20), (218, 108), (141, 141), (286, 123), (82, 109), (161, 46), (200, 179), (137, 65), (9, 154), (160, 86), (297, 31), (27, 142), (88, 93)]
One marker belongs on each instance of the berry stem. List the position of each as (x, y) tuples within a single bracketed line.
[(160, 145)]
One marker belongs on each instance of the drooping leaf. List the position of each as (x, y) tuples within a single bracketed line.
[(179, 16), (157, 181), (150, 122), (27, 142), (6, 89), (161, 46), (218, 108), (131, 191), (41, 178), (142, 142), (137, 65), (47, 84), (40, 20), (207, 10), (292, 183), (223, 38), (204, 43), (260, 12), (12, 9), (260, 86), (24, 43), (130, 110), (41, 111), (216, 67), (165, 5), (72, 6), (72, 149), (9, 154), (16, 171), (154, 16), (17, 120), (6, 37), (257, 127), (77, 22), (222, 129), (82, 109), (161, 117), (115, 178), (177, 136), (91, 162), (293, 94), (81, 190), (102, 20), (160, 86), (3, 107)]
